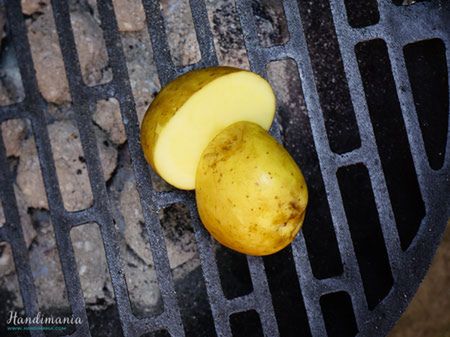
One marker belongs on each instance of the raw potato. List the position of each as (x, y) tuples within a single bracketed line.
[(190, 111), (251, 195)]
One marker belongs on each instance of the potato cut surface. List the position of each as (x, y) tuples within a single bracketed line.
[(193, 109)]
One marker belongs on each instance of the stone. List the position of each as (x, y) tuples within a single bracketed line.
[(29, 177), (227, 33), (90, 47), (70, 167), (92, 266), (143, 288), (134, 234), (6, 260), (271, 22), (108, 154), (28, 232), (4, 95), (175, 221), (180, 32), (14, 132), (46, 269), (180, 241), (107, 116), (47, 58), (129, 14), (141, 69), (30, 7), (2, 216), (11, 87)]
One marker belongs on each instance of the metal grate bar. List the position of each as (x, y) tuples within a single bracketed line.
[(327, 164), (82, 110), (12, 111), (263, 298), (310, 290), (258, 57), (161, 50), (13, 234), (368, 146), (170, 319), (204, 35), (35, 106), (348, 37)]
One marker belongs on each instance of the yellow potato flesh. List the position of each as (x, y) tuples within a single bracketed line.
[(251, 195), (192, 110)]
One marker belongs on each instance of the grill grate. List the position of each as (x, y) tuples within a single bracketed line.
[(397, 26)]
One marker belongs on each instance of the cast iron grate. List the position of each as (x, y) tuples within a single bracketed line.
[(377, 76)]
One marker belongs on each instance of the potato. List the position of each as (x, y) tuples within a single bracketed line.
[(194, 108), (251, 195)]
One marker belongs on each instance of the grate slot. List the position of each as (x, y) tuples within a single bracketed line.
[(366, 233), (2, 215), (51, 75), (428, 75), (179, 25), (233, 271), (330, 77), (47, 271), (74, 181), (229, 43), (271, 23), (286, 294), (362, 14), (159, 333), (92, 59), (83, 239), (339, 322), (136, 253), (9, 82), (196, 315), (246, 324)]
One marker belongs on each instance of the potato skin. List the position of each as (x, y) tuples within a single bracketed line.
[(170, 99), (251, 195)]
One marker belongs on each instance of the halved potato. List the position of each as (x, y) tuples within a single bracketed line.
[(191, 110), (251, 195)]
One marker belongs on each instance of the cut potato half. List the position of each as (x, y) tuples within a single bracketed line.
[(191, 110), (251, 195)]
